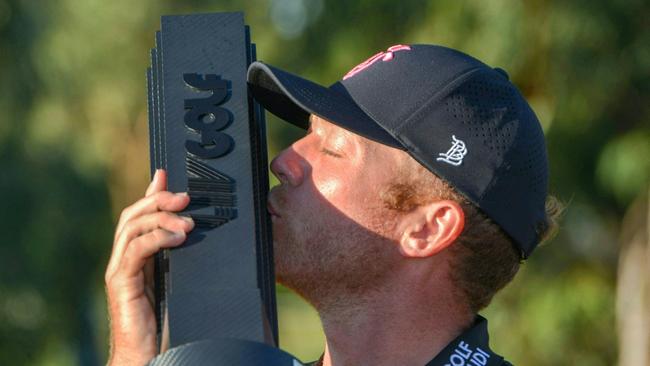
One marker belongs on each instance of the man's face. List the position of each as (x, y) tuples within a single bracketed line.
[(332, 234)]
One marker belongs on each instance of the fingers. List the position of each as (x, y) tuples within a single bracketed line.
[(143, 247), (141, 226), (145, 227), (159, 180), (157, 201), (158, 183)]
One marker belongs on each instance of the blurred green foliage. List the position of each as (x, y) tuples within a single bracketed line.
[(73, 150)]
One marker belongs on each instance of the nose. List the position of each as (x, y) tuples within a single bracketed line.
[(289, 167)]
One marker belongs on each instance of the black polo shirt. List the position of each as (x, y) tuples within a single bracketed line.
[(472, 348)]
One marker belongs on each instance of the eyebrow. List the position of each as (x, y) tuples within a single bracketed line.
[(312, 117)]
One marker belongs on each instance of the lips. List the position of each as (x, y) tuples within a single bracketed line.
[(271, 209)]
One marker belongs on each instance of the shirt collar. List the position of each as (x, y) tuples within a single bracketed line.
[(472, 348)]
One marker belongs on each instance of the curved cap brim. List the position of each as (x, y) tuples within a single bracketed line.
[(293, 99)]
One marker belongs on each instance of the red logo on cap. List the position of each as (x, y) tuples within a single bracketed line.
[(384, 56)]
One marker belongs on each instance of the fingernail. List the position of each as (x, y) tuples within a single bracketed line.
[(179, 235), (188, 219), (181, 194)]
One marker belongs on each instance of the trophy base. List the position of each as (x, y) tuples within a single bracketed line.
[(226, 352)]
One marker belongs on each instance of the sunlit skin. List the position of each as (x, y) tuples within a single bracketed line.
[(378, 278), (326, 203), (335, 151)]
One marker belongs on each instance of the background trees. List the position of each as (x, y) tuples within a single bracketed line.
[(73, 153)]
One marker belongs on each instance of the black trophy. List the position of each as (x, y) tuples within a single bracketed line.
[(216, 293)]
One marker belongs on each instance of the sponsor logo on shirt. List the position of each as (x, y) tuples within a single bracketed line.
[(464, 355)]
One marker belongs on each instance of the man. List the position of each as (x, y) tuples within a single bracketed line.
[(417, 191)]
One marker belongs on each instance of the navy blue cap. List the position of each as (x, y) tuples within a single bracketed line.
[(461, 119)]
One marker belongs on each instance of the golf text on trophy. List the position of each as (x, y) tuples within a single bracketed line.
[(206, 131)]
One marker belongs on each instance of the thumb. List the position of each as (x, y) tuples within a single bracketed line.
[(158, 183)]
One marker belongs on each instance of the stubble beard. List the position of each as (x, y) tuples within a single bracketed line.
[(332, 262)]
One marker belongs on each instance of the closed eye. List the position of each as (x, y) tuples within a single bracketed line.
[(331, 153)]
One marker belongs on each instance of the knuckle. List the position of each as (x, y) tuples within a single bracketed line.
[(125, 213), (165, 217), (169, 221), (160, 196), (159, 235), (109, 278), (129, 229), (132, 252)]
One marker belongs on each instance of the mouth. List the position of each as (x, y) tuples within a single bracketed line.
[(271, 209)]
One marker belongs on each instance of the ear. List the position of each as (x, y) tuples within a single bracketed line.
[(431, 228)]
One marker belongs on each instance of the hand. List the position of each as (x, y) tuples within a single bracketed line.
[(143, 229)]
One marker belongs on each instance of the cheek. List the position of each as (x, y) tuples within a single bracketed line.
[(328, 181), (348, 195), (334, 195), (330, 188), (365, 192)]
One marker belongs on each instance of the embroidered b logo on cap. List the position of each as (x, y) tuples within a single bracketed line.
[(384, 56), (414, 98), (455, 154)]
